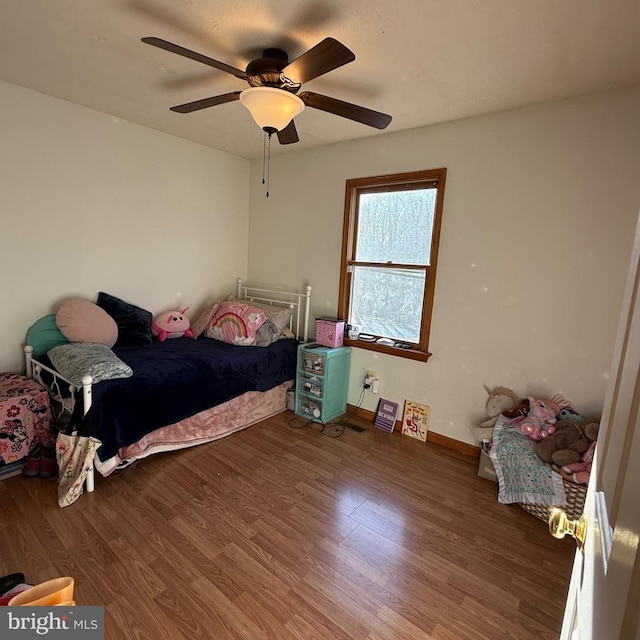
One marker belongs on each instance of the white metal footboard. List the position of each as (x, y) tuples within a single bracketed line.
[(55, 387)]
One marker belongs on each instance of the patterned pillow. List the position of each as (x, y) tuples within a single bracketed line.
[(78, 359), (280, 316), (236, 323)]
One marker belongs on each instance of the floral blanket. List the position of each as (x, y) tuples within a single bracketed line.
[(26, 421), (522, 476)]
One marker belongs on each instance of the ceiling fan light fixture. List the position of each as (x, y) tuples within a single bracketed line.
[(271, 108)]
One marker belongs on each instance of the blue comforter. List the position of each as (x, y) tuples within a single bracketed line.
[(176, 379)]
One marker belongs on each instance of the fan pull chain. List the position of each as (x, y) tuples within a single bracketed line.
[(268, 165), (266, 159), (264, 153)]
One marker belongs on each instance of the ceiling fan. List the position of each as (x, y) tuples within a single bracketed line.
[(274, 83)]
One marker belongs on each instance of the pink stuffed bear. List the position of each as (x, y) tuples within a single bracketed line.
[(540, 421), (173, 324)]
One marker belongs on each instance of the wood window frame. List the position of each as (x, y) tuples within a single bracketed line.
[(380, 184)]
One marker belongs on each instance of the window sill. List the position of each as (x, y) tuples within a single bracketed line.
[(410, 354)]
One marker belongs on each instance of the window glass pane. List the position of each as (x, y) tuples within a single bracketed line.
[(388, 302), (396, 226)]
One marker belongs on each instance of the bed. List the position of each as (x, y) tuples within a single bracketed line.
[(182, 392)]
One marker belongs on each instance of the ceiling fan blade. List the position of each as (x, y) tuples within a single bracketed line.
[(206, 102), (198, 57), (346, 110), (289, 134), (325, 56)]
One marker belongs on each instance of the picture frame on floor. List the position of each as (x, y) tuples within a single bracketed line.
[(415, 420)]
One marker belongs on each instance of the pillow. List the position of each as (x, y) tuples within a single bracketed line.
[(83, 321), (134, 323), (267, 334), (280, 316), (204, 320), (44, 334), (81, 358), (236, 323)]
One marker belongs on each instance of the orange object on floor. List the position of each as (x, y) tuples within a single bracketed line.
[(52, 592)]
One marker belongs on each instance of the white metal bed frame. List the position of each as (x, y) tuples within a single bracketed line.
[(299, 303)]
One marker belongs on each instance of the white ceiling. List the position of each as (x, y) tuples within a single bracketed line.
[(422, 61)]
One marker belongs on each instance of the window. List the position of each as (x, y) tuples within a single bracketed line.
[(389, 254)]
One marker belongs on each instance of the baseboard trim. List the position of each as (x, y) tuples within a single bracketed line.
[(435, 438), (451, 443)]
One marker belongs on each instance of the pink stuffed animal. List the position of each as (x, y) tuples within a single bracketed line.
[(173, 324), (540, 421)]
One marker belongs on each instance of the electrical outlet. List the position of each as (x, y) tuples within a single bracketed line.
[(369, 377), (371, 382)]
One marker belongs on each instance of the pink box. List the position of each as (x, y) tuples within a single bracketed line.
[(329, 332)]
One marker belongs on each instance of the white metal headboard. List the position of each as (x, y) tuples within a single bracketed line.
[(299, 303)]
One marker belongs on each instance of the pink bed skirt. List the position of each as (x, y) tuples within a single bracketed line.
[(209, 425)]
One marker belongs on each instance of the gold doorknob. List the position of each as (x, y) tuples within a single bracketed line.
[(560, 526)]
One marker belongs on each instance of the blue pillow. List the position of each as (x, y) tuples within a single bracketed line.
[(134, 323), (44, 334)]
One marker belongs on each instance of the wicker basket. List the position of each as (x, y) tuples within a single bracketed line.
[(575, 503)]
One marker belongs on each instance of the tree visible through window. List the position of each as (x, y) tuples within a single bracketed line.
[(390, 246)]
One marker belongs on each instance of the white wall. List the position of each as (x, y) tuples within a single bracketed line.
[(539, 213), (89, 202)]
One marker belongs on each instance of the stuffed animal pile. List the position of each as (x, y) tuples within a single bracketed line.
[(571, 448), (563, 438), (570, 441)]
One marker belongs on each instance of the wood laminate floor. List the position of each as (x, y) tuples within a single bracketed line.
[(286, 534)]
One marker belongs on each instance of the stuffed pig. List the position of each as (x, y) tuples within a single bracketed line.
[(172, 324)]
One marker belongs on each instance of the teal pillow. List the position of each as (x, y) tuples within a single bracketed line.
[(44, 334)]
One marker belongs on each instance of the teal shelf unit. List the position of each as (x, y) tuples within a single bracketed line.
[(322, 378)]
